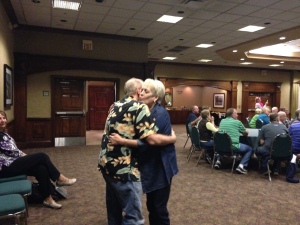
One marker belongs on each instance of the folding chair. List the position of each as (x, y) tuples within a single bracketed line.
[(195, 143), (13, 205), (281, 150), (259, 123), (223, 147), (187, 133)]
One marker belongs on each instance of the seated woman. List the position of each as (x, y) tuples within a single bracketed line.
[(14, 162), (252, 123), (206, 129)]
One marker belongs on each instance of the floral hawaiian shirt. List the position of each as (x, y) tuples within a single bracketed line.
[(8, 150), (131, 120)]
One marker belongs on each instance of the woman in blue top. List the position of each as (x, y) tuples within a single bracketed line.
[(157, 164)]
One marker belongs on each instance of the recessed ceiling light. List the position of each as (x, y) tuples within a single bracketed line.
[(281, 38), (66, 5), (275, 65), (251, 28), (246, 63), (242, 59), (36, 1), (204, 45), (282, 62), (205, 60), (169, 58), (234, 50), (132, 28), (170, 19)]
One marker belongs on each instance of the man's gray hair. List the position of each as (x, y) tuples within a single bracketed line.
[(132, 85)]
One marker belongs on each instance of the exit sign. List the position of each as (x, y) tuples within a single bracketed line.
[(87, 45)]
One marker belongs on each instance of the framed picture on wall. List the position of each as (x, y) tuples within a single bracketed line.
[(8, 86), (219, 101)]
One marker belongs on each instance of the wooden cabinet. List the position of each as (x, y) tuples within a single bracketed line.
[(179, 116)]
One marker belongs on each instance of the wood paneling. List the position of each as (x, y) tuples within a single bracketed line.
[(248, 86), (38, 133), (26, 64), (179, 116)]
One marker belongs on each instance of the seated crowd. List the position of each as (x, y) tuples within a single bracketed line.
[(274, 123)]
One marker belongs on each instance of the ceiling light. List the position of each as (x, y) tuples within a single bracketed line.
[(66, 5), (251, 28), (278, 49), (170, 19), (282, 62), (242, 59), (246, 63), (205, 60), (234, 50), (204, 45), (281, 38), (169, 58), (275, 65)]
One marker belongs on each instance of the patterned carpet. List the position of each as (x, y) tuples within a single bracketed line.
[(200, 195)]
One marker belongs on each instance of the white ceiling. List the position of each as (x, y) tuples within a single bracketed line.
[(205, 21)]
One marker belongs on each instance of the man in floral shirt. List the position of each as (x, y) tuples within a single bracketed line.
[(118, 164)]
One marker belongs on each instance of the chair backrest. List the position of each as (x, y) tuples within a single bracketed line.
[(222, 143), (248, 121), (259, 123), (195, 137), (282, 146), (187, 129)]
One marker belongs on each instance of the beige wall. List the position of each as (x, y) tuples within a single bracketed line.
[(227, 74), (39, 106), (6, 56), (188, 96)]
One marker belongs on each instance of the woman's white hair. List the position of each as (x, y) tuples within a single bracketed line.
[(157, 88)]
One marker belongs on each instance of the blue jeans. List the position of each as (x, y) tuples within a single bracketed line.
[(123, 202), (246, 151), (210, 147)]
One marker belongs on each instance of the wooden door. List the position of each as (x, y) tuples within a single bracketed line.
[(100, 99), (68, 108)]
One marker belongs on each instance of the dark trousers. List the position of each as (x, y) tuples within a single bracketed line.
[(38, 165), (157, 206)]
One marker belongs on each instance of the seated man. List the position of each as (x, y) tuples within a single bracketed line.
[(235, 128), (266, 137), (297, 117), (252, 123), (294, 131), (193, 118), (206, 129), (264, 116), (282, 119), (274, 110)]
